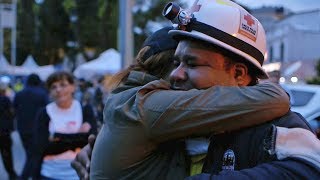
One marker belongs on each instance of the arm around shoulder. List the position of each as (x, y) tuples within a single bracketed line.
[(181, 113)]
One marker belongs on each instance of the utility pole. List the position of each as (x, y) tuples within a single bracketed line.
[(1, 32), (126, 37), (14, 33)]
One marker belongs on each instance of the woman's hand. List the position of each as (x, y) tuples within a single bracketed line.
[(85, 128)]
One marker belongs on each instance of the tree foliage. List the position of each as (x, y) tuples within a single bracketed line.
[(54, 30), (45, 30), (109, 23), (25, 30), (88, 22), (316, 79)]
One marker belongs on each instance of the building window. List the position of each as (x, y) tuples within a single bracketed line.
[(271, 54), (282, 52)]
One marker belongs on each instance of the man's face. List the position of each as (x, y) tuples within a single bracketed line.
[(200, 68)]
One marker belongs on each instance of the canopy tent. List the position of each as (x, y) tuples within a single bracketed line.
[(30, 63), (28, 67), (108, 62), (42, 71)]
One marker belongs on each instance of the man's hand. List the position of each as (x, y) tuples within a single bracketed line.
[(82, 161), (297, 142)]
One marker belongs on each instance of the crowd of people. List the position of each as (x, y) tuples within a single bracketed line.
[(53, 119), (191, 106)]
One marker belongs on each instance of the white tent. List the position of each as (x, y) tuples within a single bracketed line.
[(28, 67), (18, 70), (44, 71), (30, 63), (108, 62)]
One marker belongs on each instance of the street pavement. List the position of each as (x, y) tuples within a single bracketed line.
[(19, 157)]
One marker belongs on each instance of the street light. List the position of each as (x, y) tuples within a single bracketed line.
[(294, 79)]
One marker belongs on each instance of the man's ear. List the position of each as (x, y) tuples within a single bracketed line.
[(241, 74)]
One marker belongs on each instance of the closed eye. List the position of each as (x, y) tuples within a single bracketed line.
[(192, 63)]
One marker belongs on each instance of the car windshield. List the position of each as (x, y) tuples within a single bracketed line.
[(300, 98)]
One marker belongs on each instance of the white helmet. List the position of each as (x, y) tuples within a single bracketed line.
[(223, 23)]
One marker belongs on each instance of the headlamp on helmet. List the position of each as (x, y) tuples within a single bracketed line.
[(176, 14)]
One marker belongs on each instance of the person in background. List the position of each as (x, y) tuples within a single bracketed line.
[(27, 103), (81, 88), (9, 92), (6, 127), (98, 99), (61, 128), (18, 85)]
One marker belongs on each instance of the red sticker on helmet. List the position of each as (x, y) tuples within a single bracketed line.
[(248, 26)]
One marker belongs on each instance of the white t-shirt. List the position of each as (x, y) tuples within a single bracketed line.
[(64, 121)]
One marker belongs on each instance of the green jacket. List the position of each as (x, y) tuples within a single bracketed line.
[(146, 124)]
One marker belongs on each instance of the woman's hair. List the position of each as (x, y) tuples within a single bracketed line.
[(58, 76), (155, 58), (159, 65)]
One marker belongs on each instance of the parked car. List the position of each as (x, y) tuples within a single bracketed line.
[(305, 99)]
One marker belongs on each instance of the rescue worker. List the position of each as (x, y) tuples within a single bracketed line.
[(208, 42)]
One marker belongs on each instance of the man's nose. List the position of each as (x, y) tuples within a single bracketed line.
[(178, 74)]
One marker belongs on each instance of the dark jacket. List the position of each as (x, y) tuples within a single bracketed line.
[(292, 168), (63, 142), (41, 134), (6, 115), (27, 103), (254, 146)]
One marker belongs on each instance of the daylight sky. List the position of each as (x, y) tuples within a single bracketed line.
[(294, 5)]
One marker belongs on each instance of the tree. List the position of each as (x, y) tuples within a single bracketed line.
[(315, 80), (88, 22), (25, 30), (44, 29), (54, 30), (109, 13)]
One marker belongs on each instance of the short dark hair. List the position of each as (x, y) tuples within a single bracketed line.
[(33, 80), (58, 76)]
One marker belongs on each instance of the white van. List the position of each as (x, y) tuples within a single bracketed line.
[(305, 99)]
